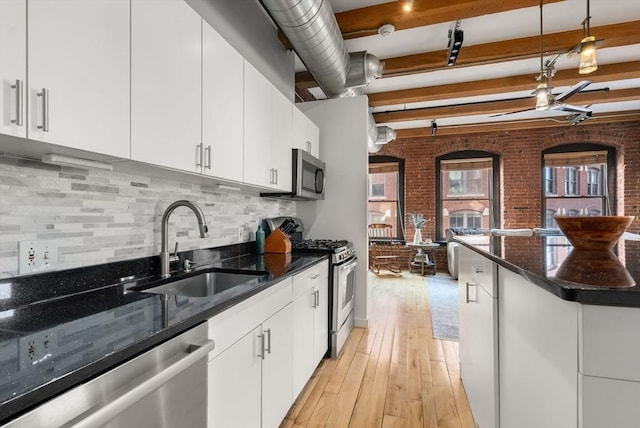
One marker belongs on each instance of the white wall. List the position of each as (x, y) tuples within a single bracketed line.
[(343, 212), (249, 29)]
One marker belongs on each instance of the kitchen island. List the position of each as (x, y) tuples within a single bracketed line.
[(59, 329), (539, 348)]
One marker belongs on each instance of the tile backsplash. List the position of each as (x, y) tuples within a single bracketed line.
[(96, 216)]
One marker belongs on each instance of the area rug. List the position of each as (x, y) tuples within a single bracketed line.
[(443, 302)]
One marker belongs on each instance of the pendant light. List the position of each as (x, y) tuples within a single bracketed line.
[(542, 91), (588, 61)]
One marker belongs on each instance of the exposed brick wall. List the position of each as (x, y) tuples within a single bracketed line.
[(520, 168)]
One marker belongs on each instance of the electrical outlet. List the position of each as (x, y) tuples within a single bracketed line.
[(36, 348), (36, 256)]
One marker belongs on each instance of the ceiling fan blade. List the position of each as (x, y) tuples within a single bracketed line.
[(570, 108), (511, 112), (573, 90)]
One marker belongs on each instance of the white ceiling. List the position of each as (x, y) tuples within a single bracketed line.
[(562, 16)]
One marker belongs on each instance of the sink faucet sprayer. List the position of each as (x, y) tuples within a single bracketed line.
[(165, 257)]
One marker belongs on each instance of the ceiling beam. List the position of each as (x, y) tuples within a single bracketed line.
[(604, 73), (364, 21), (626, 116), (503, 106), (508, 50)]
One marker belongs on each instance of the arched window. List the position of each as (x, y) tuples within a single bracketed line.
[(466, 187), (588, 174)]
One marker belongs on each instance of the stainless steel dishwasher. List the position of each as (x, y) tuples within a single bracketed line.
[(164, 387)]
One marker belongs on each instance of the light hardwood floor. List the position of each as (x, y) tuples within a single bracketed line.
[(393, 374)]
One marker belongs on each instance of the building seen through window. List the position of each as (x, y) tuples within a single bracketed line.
[(386, 184), (465, 191), (583, 177)]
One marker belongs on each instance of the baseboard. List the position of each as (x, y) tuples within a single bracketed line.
[(358, 322)]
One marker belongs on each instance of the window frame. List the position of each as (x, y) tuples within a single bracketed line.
[(401, 184), (609, 200), (494, 188)]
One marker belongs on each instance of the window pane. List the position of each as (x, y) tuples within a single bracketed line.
[(384, 212), (580, 189), (465, 196)]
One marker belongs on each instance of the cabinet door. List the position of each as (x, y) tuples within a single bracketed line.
[(303, 339), (538, 355), (478, 353), (281, 143), (13, 67), (257, 128), (222, 106), (78, 51), (276, 367), (321, 317), (313, 134), (165, 84), (234, 379), (608, 402)]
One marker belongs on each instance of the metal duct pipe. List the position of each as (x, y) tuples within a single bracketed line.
[(312, 29)]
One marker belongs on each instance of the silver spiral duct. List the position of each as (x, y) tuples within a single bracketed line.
[(313, 31)]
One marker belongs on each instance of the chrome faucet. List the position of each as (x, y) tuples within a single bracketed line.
[(165, 257)]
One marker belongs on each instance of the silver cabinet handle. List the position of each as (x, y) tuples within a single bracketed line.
[(268, 331), (270, 175), (317, 294), (19, 87), (309, 146), (45, 109), (261, 353), (276, 171), (207, 151), (133, 395), (315, 300), (199, 155), (468, 300), (478, 270)]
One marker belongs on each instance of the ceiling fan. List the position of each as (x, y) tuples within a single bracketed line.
[(545, 99)]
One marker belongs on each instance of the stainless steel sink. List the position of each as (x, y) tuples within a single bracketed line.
[(206, 284)]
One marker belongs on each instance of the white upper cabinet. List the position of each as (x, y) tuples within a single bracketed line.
[(13, 67), (306, 134), (166, 64), (281, 142), (222, 106), (78, 74), (258, 116)]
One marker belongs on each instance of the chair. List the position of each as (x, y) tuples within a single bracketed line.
[(381, 249)]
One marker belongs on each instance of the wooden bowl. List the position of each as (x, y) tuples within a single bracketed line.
[(593, 232)]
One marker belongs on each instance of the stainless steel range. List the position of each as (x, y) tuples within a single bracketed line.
[(342, 281)]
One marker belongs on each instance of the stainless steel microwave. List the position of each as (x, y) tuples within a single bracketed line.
[(308, 178)]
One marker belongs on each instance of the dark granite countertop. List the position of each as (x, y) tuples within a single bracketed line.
[(550, 262), (62, 328)]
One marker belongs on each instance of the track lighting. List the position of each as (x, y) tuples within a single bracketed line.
[(456, 35), (576, 118), (434, 127), (588, 61)]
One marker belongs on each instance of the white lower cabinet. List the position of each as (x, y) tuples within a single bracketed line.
[(276, 366), (265, 346), (538, 355), (235, 385), (310, 318), (478, 337)]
